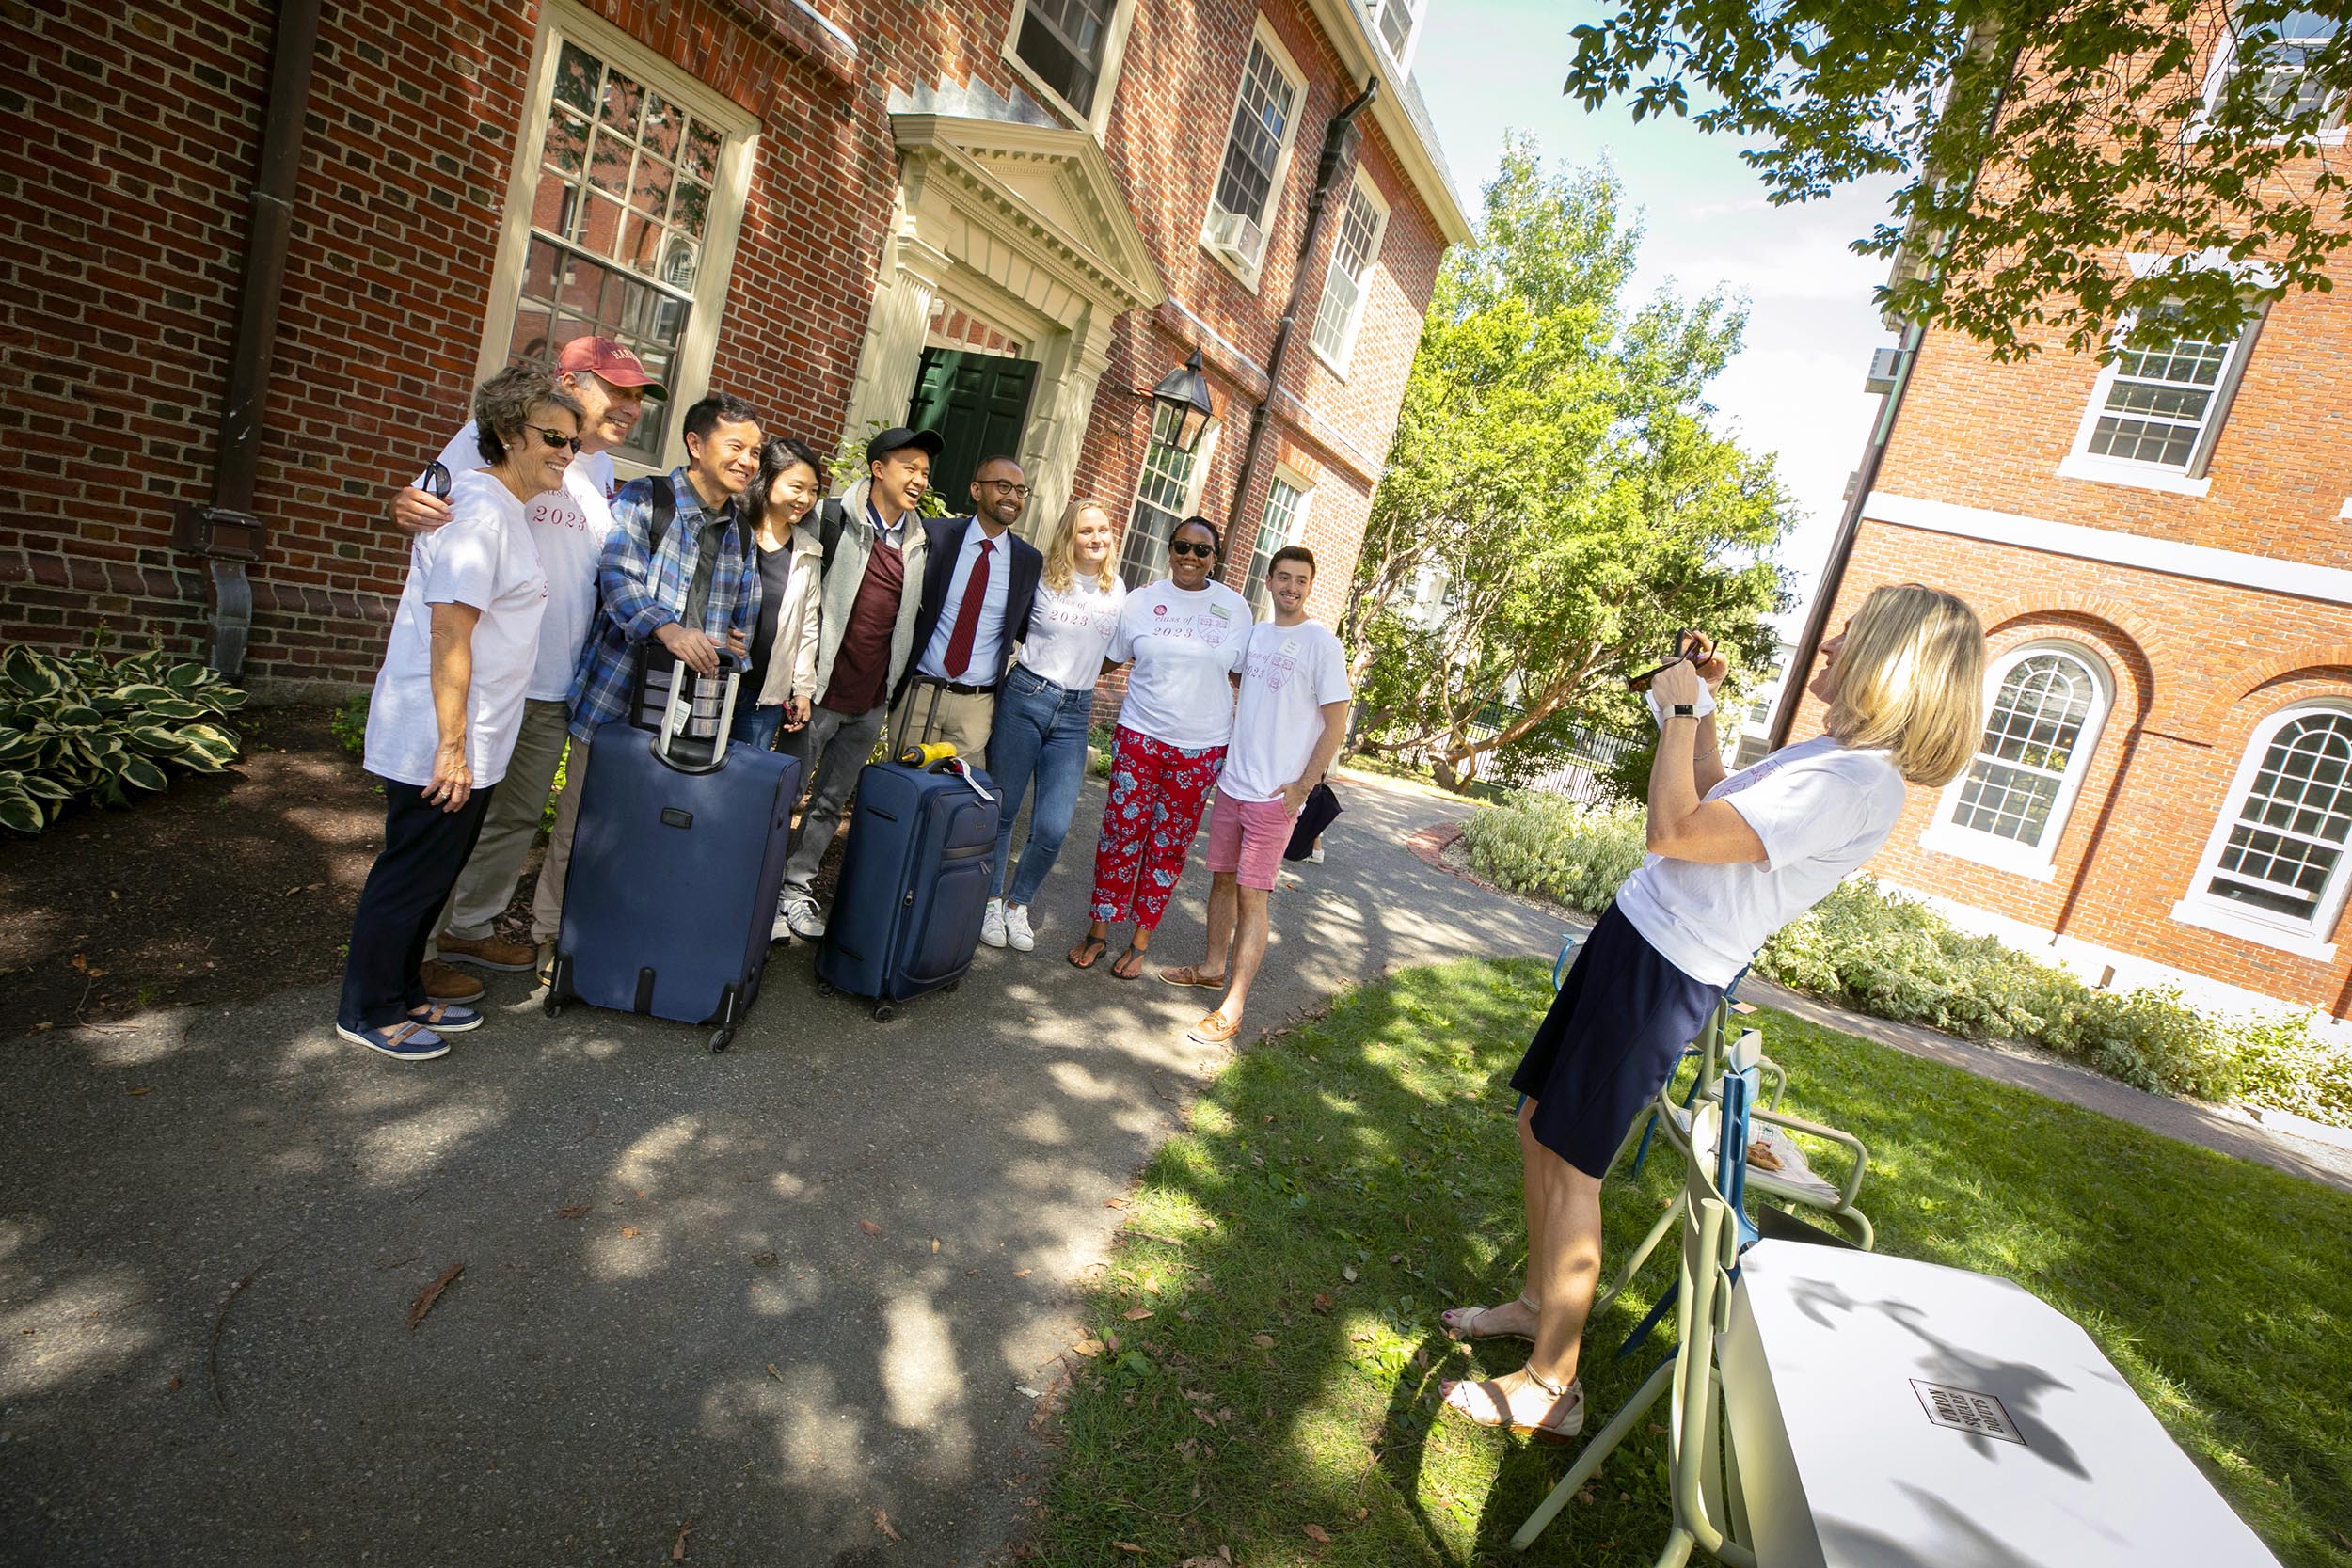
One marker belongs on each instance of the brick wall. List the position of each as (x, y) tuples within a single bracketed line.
[(124, 213)]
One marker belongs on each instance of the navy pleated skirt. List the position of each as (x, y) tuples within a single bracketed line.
[(1609, 1044)]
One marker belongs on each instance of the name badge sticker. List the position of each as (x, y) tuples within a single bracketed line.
[(1290, 647), (1220, 612)]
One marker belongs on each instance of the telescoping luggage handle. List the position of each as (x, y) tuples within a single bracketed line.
[(697, 713)]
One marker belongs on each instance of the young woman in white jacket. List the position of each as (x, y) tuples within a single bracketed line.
[(775, 696)]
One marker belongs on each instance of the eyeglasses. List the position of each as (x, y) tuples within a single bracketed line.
[(1009, 487), (556, 437), (1196, 548)]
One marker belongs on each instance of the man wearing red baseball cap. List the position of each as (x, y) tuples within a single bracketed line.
[(570, 526)]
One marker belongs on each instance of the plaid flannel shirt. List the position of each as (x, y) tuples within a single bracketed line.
[(642, 591)]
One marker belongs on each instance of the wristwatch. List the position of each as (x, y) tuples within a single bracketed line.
[(1684, 710)]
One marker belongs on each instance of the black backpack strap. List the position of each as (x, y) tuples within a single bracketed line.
[(664, 514), (830, 519)]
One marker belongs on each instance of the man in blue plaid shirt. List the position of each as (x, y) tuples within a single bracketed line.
[(645, 594)]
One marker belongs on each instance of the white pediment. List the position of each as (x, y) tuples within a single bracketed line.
[(1055, 183)]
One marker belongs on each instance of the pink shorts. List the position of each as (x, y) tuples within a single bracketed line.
[(1247, 837)]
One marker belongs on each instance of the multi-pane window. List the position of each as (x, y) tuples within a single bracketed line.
[(618, 220), (1279, 527), (1396, 20), (2032, 750), (1240, 212), (1163, 500), (2161, 400), (2285, 79), (1344, 285), (2284, 848), (1063, 42)]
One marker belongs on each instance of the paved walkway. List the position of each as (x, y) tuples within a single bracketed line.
[(213, 1225)]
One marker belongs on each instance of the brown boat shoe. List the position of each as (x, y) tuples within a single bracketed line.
[(444, 984), (490, 952)]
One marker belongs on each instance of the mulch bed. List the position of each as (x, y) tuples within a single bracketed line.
[(225, 888)]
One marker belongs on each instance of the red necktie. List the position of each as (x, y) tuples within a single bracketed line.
[(968, 614)]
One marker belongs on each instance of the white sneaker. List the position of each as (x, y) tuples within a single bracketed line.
[(800, 918), (1315, 856), (993, 924), (1017, 933)]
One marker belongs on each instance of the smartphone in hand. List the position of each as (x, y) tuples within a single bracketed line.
[(1690, 646)]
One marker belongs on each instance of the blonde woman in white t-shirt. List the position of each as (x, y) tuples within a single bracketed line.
[(1043, 706), (1732, 860)]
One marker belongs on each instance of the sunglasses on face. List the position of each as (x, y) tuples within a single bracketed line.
[(1192, 547), (556, 437)]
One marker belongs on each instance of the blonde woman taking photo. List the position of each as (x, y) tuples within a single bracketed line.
[(1043, 706), (1732, 860)]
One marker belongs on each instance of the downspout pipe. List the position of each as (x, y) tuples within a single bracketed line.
[(1339, 141), (227, 533)]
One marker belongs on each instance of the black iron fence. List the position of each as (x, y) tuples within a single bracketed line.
[(1559, 757)]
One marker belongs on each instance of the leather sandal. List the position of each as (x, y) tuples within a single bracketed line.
[(1092, 958), (1134, 973), (1555, 1428), (1461, 1324)]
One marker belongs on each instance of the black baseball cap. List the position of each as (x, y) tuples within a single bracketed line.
[(898, 437)]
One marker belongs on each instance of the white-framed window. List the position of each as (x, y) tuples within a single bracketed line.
[(1070, 52), (1398, 22), (2157, 409), (2283, 64), (1282, 523), (1362, 222), (1257, 157), (1169, 492), (2275, 868), (2047, 704), (622, 211)]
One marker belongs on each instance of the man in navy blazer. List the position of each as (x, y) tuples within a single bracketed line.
[(979, 582)]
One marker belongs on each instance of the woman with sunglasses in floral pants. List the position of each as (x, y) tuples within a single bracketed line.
[(1187, 636)]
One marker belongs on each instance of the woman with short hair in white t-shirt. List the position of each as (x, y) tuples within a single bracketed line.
[(447, 704), (1188, 636), (1042, 709), (1732, 860)]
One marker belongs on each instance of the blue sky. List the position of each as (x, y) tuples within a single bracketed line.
[(1489, 66)]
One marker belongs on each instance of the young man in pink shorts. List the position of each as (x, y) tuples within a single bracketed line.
[(1287, 729)]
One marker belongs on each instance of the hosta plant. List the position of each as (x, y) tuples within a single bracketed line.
[(82, 726)]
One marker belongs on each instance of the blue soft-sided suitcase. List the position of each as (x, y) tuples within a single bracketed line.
[(914, 882), (676, 861)]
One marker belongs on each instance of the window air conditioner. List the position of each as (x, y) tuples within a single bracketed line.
[(1232, 235)]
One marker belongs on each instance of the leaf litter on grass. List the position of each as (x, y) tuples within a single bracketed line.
[(1415, 1185)]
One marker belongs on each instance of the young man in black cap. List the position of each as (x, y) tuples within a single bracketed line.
[(873, 595)]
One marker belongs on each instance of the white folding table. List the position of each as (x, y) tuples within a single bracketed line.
[(1892, 1414)]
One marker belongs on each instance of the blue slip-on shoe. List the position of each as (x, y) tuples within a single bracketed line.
[(404, 1042), (448, 1017)]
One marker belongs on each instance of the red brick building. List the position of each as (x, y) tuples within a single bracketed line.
[(1021, 213), (2161, 551)]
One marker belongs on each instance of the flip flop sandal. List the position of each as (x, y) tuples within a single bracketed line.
[(1189, 975), (1133, 952), (1460, 1324), (1099, 947), (1555, 1428)]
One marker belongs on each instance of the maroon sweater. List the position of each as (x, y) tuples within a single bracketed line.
[(861, 666)]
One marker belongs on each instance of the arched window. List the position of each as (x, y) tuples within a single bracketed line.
[(2275, 868), (2047, 703)]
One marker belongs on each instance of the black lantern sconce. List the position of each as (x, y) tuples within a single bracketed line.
[(1181, 409)]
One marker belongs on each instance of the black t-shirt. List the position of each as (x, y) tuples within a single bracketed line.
[(775, 572)]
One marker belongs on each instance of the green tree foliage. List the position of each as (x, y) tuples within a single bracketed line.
[(2040, 144), (1553, 459)]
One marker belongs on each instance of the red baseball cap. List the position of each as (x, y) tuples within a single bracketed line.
[(608, 358)]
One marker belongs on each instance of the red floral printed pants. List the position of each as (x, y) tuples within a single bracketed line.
[(1157, 794)]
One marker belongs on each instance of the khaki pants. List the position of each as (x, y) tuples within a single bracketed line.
[(963, 721), (486, 886), (547, 904)]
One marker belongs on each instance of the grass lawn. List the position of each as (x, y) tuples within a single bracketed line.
[(1263, 1368)]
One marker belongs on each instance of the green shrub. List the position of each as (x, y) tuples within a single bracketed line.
[(1541, 844), (1100, 739), (348, 725), (80, 727), (1893, 957)]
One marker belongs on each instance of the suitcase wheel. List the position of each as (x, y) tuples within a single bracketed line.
[(720, 1039), (882, 1011), (825, 988), (950, 986), (554, 1006)]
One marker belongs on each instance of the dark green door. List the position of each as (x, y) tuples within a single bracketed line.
[(979, 404)]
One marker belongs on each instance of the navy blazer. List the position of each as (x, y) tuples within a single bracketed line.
[(939, 570)]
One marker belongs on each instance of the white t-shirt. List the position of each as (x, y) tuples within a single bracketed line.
[(570, 526), (483, 557), (1069, 630), (1293, 670), (1184, 645), (1820, 811)]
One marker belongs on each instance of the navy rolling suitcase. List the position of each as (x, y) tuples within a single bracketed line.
[(915, 880), (676, 861)]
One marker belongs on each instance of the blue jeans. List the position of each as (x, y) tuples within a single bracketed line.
[(757, 727), (1040, 729)]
